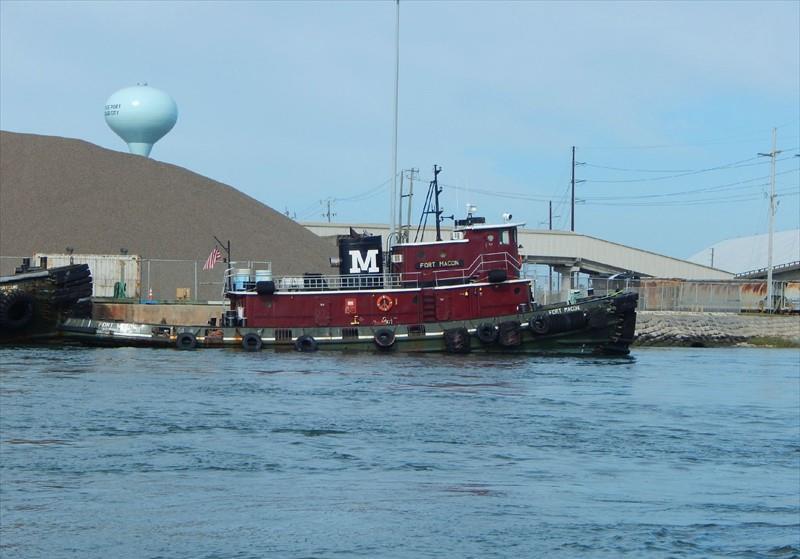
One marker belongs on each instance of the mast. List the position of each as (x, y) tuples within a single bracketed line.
[(436, 192)]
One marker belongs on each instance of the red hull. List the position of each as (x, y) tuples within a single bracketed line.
[(308, 309)]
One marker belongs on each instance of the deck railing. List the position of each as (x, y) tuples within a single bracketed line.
[(242, 277)]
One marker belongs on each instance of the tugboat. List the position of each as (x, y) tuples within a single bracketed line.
[(35, 301), (465, 294)]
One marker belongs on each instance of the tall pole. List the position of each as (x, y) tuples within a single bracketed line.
[(550, 275), (773, 156), (392, 223), (572, 213), (410, 197)]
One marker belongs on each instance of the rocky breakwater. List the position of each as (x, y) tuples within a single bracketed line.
[(708, 329)]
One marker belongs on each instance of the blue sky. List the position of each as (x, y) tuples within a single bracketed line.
[(292, 103)]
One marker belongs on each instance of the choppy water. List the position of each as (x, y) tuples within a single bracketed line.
[(158, 453)]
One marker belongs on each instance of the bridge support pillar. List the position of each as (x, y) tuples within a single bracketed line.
[(567, 279)]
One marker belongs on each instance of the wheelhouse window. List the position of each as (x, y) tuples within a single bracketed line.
[(505, 237)]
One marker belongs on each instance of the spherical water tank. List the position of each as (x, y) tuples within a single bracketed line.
[(141, 115)]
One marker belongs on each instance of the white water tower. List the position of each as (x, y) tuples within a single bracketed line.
[(141, 115)]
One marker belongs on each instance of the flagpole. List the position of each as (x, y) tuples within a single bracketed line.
[(227, 249)]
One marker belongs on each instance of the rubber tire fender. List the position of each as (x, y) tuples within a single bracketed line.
[(509, 333), (486, 333), (306, 344), (185, 341), (457, 340), (16, 310), (252, 342), (384, 338), (540, 324)]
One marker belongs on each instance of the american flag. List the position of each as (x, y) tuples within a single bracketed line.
[(213, 258)]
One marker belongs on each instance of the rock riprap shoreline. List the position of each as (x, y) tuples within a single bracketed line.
[(687, 329)]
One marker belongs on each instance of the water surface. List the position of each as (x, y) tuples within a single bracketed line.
[(218, 453)]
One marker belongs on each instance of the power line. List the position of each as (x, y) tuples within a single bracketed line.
[(366, 194), (680, 172), (757, 136), (716, 188), (732, 165), (748, 197)]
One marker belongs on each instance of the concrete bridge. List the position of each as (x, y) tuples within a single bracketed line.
[(567, 253)]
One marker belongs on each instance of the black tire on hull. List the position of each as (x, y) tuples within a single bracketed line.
[(626, 302), (186, 340), (486, 333), (540, 324), (16, 310), (265, 287), (384, 339), (497, 276), (457, 340), (510, 333), (567, 322), (306, 344), (252, 342)]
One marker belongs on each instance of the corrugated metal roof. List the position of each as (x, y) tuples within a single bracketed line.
[(745, 254)]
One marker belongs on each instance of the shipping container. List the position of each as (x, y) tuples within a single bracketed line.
[(108, 270)]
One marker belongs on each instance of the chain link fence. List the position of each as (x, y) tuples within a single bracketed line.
[(157, 279), (186, 281)]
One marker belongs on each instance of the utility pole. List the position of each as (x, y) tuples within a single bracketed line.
[(572, 213), (574, 182), (405, 229), (328, 213), (773, 155)]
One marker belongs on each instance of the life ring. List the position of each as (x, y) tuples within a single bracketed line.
[(251, 342), (384, 303), (306, 344), (16, 310), (486, 333), (186, 340), (384, 338)]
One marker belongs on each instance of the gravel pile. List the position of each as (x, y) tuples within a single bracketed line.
[(59, 192)]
